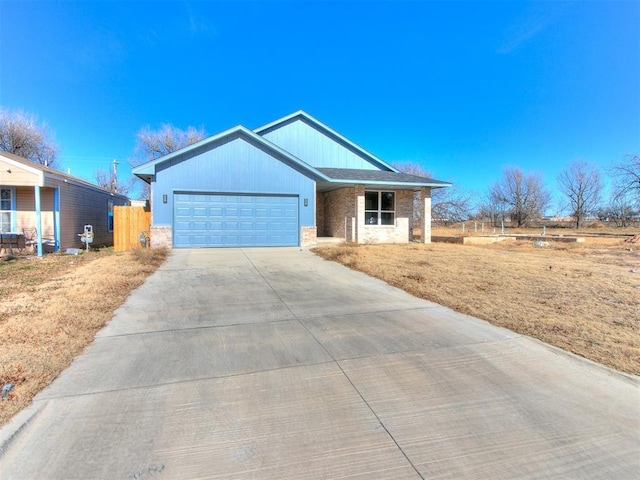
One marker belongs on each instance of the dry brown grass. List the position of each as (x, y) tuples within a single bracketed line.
[(51, 308), (583, 298), (592, 228)]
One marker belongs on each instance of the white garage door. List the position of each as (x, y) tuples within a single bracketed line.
[(220, 220)]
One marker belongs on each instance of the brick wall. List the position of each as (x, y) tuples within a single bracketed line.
[(308, 236), (161, 236), (339, 208), (398, 233)]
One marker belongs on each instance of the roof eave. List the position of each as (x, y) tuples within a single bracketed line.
[(387, 183)]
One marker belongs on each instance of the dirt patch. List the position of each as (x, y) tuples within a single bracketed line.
[(634, 239), (51, 308), (584, 298)]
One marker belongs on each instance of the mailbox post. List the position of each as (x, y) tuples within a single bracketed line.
[(86, 237)]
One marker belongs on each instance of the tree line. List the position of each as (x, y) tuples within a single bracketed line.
[(521, 199), (517, 197)]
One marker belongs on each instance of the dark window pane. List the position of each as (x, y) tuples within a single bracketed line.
[(387, 201), (387, 219), (370, 200), (371, 218)]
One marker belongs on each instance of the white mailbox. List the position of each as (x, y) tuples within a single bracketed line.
[(86, 237)]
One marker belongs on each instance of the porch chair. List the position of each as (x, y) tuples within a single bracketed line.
[(30, 238)]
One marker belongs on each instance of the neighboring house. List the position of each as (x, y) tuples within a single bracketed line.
[(283, 184), (55, 204)]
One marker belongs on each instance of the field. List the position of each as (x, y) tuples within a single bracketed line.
[(582, 297), (51, 308)]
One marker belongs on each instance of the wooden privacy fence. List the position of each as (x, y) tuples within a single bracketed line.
[(128, 224)]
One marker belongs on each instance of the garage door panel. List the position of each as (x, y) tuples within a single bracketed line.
[(235, 220)]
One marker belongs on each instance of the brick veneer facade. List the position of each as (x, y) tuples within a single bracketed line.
[(334, 210), (161, 236), (340, 214), (308, 236)]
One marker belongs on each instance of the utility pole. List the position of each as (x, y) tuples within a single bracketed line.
[(114, 177)]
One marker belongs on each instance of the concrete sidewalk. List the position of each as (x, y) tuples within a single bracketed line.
[(276, 364)]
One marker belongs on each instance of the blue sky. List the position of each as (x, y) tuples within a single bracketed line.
[(463, 88)]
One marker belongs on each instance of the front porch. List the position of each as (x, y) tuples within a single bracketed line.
[(356, 214), (31, 214)]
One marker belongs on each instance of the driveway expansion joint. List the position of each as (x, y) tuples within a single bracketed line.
[(355, 389)]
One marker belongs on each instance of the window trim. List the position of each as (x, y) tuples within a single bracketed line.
[(110, 219), (12, 215), (379, 210)]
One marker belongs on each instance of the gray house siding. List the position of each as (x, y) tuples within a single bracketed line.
[(81, 205), (316, 148), (235, 165)]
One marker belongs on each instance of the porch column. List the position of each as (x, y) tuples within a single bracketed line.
[(38, 220), (359, 194), (425, 214), (56, 220)]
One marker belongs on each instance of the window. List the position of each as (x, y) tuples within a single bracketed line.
[(379, 208), (110, 216), (6, 209)]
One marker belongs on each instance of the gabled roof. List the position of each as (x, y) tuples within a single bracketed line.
[(318, 125), (147, 170), (373, 177), (327, 178), (50, 173)]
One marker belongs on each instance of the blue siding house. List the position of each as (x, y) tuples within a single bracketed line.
[(284, 184)]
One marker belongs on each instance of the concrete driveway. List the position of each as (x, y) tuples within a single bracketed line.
[(276, 364)]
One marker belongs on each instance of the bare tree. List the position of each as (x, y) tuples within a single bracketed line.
[(492, 210), (524, 197), (626, 175), (448, 205), (21, 134), (581, 184), (451, 205), (619, 211), (152, 144), (411, 168)]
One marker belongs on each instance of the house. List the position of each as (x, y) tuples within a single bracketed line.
[(55, 204), (283, 184)]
